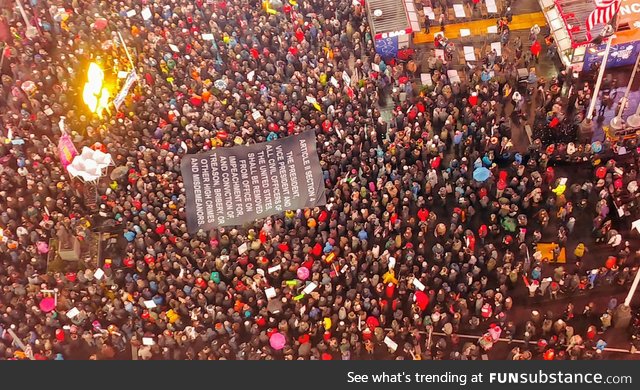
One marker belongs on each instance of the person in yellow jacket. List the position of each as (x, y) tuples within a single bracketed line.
[(390, 277), (580, 250)]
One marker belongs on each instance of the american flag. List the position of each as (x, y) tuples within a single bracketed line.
[(604, 12)]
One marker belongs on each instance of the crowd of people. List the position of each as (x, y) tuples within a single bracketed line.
[(411, 250)]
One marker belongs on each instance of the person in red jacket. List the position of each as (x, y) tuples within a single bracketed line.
[(535, 50), (423, 214)]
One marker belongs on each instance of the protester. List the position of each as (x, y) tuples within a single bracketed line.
[(406, 205)]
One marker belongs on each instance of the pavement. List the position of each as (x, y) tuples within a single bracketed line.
[(478, 28), (526, 14), (622, 76)]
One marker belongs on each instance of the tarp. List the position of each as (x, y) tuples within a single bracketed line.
[(547, 248), (235, 185), (90, 164)]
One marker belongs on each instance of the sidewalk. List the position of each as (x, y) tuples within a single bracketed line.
[(603, 122), (479, 27)]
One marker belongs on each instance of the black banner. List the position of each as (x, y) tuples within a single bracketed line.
[(233, 186)]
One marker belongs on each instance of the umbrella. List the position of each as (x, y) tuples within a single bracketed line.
[(220, 84), (481, 174), (303, 273), (43, 247), (422, 300), (47, 304), (596, 146), (277, 341), (119, 172), (372, 322), (100, 24)]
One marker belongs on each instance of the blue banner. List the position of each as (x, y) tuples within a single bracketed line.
[(387, 47), (620, 55)]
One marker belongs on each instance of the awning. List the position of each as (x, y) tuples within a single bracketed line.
[(388, 18), (558, 28), (574, 14)]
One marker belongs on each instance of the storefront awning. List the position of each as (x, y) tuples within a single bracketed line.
[(388, 18), (574, 14)]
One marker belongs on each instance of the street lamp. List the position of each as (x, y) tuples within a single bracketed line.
[(617, 123), (634, 120)]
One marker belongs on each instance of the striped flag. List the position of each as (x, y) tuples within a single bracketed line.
[(604, 12)]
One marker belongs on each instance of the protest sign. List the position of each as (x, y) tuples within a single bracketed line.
[(236, 185)]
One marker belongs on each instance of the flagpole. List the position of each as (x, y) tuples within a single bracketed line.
[(126, 50), (596, 90), (24, 14)]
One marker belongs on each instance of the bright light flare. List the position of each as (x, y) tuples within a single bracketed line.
[(95, 96)]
